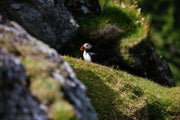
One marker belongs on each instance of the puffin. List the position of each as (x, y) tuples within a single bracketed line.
[(88, 56)]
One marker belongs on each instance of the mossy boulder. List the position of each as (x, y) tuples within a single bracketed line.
[(50, 79)]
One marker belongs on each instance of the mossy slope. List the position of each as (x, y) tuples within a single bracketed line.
[(120, 95)]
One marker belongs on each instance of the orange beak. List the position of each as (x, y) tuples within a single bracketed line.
[(82, 47)]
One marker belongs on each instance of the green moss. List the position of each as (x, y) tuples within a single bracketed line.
[(119, 95), (43, 86), (46, 89), (62, 111)]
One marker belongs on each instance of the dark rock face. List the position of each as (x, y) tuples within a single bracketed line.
[(73, 90), (150, 64), (83, 7), (16, 102), (11, 70), (144, 61), (50, 22)]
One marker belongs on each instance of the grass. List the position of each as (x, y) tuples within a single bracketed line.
[(120, 95)]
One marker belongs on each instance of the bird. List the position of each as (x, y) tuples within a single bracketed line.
[(88, 56)]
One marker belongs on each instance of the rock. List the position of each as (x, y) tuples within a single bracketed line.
[(140, 58), (83, 7), (150, 64), (16, 102), (15, 6), (107, 32), (11, 69), (50, 22), (15, 39)]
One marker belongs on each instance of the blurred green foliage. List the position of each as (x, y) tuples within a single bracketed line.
[(164, 19)]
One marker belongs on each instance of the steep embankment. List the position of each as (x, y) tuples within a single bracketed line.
[(116, 94), (121, 35)]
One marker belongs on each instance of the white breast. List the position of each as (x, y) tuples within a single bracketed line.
[(86, 56)]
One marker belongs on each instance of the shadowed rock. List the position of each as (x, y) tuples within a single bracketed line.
[(150, 64), (50, 22), (107, 32), (83, 7), (74, 91), (16, 102)]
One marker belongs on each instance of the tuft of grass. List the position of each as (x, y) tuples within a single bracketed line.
[(117, 94)]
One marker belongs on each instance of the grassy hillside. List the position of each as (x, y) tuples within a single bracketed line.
[(120, 95), (130, 50)]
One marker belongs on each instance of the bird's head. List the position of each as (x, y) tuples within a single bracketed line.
[(86, 46)]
